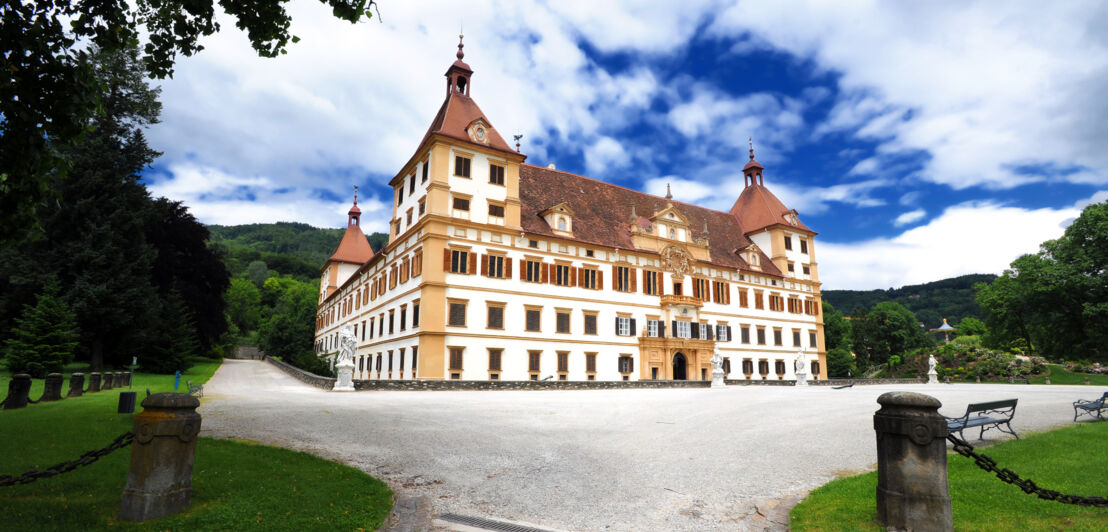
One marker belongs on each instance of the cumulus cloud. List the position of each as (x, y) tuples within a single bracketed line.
[(909, 217)]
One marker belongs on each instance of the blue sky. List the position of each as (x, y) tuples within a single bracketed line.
[(921, 142)]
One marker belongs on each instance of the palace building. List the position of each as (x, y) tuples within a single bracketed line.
[(500, 270)]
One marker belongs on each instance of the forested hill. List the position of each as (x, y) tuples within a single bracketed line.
[(931, 302), (288, 248)]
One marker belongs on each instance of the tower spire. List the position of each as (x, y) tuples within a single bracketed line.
[(355, 214), (752, 172), (751, 148), (460, 53), (669, 195)]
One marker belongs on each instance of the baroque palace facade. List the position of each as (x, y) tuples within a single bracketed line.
[(500, 270)]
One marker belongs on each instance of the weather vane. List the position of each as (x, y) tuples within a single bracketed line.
[(517, 137)]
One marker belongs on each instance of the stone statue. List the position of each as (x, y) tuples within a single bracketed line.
[(930, 363), (717, 371), (717, 362), (347, 345), (932, 375), (799, 364)]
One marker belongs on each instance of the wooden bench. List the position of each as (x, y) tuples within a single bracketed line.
[(195, 389), (993, 414), (1096, 406)]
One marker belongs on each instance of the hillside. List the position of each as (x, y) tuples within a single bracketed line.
[(930, 302), (288, 248)]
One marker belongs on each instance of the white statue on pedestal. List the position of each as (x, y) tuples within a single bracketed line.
[(800, 368), (932, 375), (344, 360), (717, 371)]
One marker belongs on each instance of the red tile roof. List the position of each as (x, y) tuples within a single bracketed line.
[(458, 111), (757, 208), (602, 214), (354, 247)]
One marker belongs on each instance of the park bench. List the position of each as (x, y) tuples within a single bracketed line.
[(988, 415), (195, 389), (1090, 407)]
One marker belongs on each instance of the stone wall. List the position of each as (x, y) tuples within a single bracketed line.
[(248, 352), (522, 385), (325, 383)]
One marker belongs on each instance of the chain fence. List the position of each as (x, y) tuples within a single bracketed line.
[(64, 467), (1027, 485)]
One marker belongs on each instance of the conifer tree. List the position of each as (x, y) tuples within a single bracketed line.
[(176, 342), (44, 337)]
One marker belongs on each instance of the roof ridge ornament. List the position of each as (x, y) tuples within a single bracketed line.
[(751, 139), (355, 195), (460, 53), (669, 195)]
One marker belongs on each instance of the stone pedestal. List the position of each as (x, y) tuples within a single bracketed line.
[(345, 380), (52, 389), (912, 489), (932, 377), (76, 385), (107, 381), (1047, 380), (93, 382), (18, 390), (159, 482), (802, 379), (717, 379)]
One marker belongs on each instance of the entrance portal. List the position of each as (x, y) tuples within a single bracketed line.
[(679, 367)]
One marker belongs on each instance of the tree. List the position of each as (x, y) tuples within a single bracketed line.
[(176, 340), (243, 304), (836, 330), (44, 337), (288, 332), (840, 364), (49, 89), (886, 330), (258, 272), (971, 327)]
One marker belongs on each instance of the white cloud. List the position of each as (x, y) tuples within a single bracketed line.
[(966, 238), (909, 217), (604, 153)]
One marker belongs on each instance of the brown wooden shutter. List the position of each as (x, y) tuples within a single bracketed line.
[(633, 275), (446, 260), (472, 263), (599, 280), (544, 272), (580, 277), (573, 273), (615, 277), (485, 265), (507, 267), (661, 285)]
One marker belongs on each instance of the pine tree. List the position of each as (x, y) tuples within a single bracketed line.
[(176, 342), (44, 337)]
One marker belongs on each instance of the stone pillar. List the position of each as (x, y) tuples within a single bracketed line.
[(127, 378), (52, 391), (912, 489), (109, 381), (18, 390), (76, 385), (1047, 380), (93, 382), (1086, 380), (159, 482), (119, 380), (345, 380)]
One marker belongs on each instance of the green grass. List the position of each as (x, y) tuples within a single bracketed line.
[(1060, 375), (235, 484), (1070, 460)]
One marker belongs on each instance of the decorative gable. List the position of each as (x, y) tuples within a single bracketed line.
[(560, 219), (752, 255), (478, 132)]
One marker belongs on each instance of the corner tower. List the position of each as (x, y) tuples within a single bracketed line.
[(352, 252)]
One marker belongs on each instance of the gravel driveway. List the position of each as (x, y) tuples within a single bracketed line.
[(670, 459)]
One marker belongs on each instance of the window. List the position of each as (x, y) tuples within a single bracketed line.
[(650, 282), (624, 279), (456, 358), (776, 302), (626, 364), (811, 338), (705, 331), (495, 318), (761, 336), (409, 218), (589, 278), (561, 224), (677, 291), (590, 323), (461, 166), (534, 359), (403, 317), (563, 362), (533, 320), (494, 359), (590, 362), (535, 271), (457, 314), (726, 366), (748, 367), (415, 314), (400, 194), (779, 367), (563, 275), (789, 243), (496, 174), (363, 330), (794, 305), (424, 178), (759, 303), (723, 333), (743, 300), (562, 321), (654, 328), (682, 329), (371, 320), (461, 204), (496, 211), (803, 246), (381, 326), (422, 206), (494, 266), (417, 263), (533, 244), (721, 293), (411, 184), (777, 340), (589, 253), (700, 289), (763, 367), (796, 337), (392, 320), (625, 326), (459, 261), (791, 267), (806, 269), (815, 369), (415, 366)]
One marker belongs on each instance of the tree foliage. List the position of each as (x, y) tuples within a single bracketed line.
[(288, 329), (886, 330), (44, 336), (836, 330), (50, 91), (1055, 302), (952, 299)]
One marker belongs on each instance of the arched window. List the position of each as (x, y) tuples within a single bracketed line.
[(672, 234), (561, 224)]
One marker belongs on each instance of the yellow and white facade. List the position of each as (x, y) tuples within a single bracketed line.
[(500, 270)]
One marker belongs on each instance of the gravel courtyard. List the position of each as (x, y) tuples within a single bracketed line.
[(670, 459)]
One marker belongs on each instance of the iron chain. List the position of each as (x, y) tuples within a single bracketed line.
[(64, 467), (1027, 485)]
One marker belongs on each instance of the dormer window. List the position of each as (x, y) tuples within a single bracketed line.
[(560, 219), (561, 223)]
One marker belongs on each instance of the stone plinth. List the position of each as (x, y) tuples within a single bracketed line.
[(159, 482), (52, 388), (18, 390), (717, 379), (76, 385), (802, 379), (93, 382), (932, 377), (912, 489), (345, 381)]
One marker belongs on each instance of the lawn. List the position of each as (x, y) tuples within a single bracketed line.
[(1067, 459), (1059, 375), (235, 484)]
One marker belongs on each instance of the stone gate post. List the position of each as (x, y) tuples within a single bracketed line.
[(18, 390), (107, 383), (93, 382), (912, 489), (160, 479), (76, 385), (52, 390)]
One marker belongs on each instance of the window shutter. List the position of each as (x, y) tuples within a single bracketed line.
[(633, 276), (708, 330), (617, 325), (599, 280), (523, 270), (630, 364), (472, 263), (674, 329), (661, 285), (580, 277), (485, 265), (728, 333), (634, 329), (446, 260), (573, 273), (507, 267), (615, 277), (544, 275), (695, 330)]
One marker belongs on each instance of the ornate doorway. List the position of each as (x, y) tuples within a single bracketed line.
[(679, 365)]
